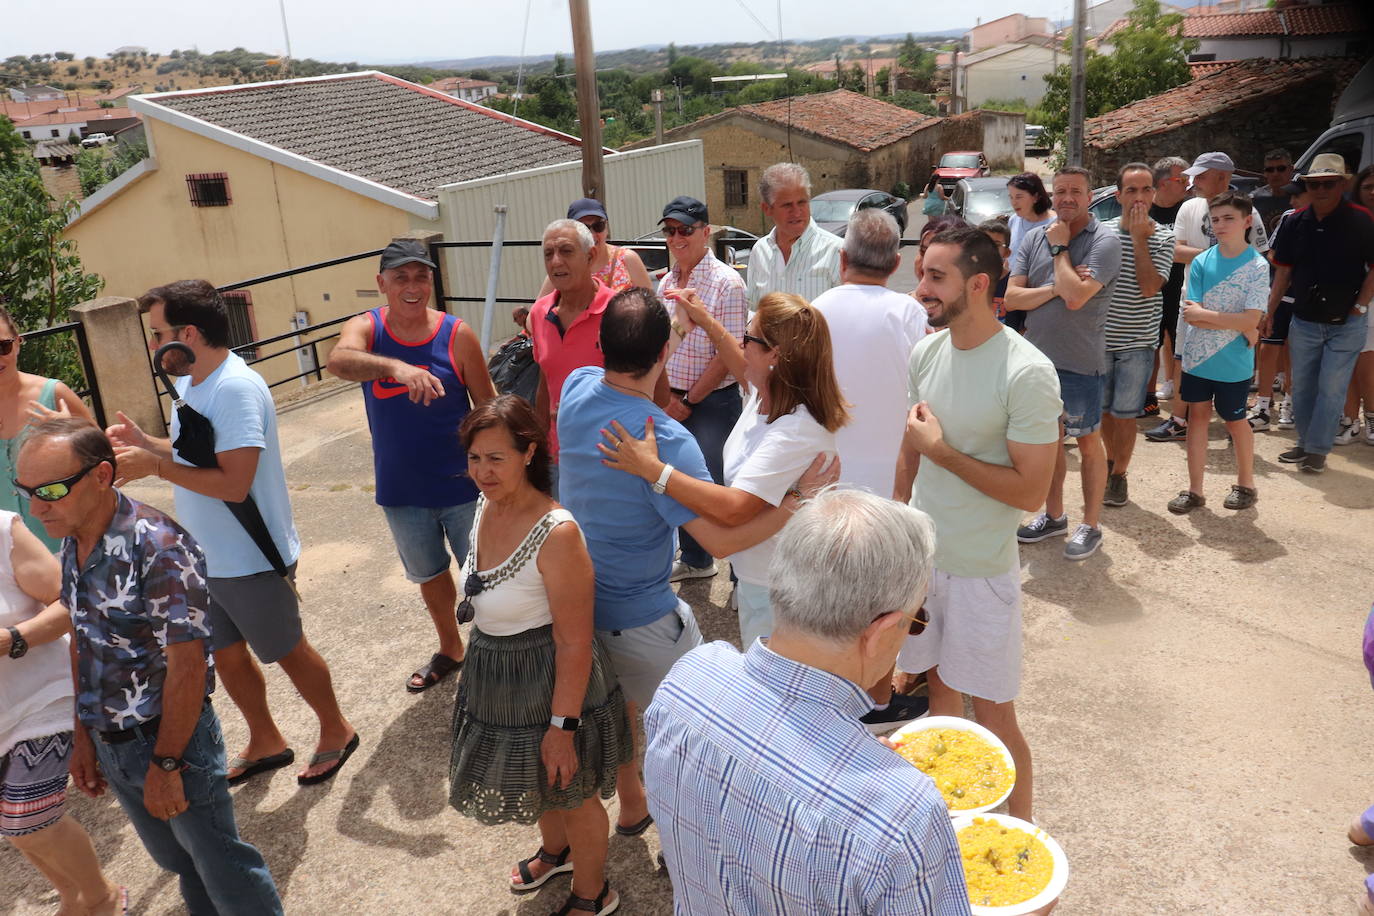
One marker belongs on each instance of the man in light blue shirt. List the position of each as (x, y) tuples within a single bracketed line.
[(791, 806), (798, 256), (251, 604)]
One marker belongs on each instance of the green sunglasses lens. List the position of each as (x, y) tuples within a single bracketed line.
[(52, 492)]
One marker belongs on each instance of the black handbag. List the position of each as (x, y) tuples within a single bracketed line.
[(513, 369), (1325, 303)]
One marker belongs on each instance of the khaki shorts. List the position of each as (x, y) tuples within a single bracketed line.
[(974, 635), (642, 656), (261, 608)]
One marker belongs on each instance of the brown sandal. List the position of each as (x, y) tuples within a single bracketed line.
[(440, 666), (600, 906)]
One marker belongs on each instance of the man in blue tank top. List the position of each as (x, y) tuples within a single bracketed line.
[(421, 372)]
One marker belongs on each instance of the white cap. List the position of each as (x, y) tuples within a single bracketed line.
[(1219, 161)]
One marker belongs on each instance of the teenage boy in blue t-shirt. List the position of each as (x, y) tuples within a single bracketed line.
[(1225, 300)]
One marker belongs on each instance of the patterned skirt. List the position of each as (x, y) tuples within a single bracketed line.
[(505, 697)]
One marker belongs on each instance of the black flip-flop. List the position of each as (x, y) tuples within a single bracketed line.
[(261, 765), (341, 755), (439, 667), (635, 829)]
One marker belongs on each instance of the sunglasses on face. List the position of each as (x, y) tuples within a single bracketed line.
[(7, 345), (1322, 185), (472, 587), (684, 231), (750, 338), (918, 621), (596, 225), (57, 489), (1277, 168)]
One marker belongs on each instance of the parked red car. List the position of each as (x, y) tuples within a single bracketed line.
[(961, 164)]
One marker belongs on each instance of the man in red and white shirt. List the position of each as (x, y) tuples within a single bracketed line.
[(706, 398)]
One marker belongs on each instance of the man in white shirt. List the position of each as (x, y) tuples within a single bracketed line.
[(797, 256), (872, 331)]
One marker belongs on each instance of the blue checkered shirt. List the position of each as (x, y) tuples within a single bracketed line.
[(771, 797)]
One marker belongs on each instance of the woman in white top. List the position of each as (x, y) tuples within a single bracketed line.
[(36, 718), (540, 725), (794, 407)]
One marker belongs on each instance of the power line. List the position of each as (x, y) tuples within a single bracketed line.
[(756, 19)]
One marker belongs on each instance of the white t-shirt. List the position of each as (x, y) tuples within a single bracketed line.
[(766, 459), (238, 405), (872, 332), (1193, 226)]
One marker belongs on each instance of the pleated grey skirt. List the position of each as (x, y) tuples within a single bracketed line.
[(505, 697)]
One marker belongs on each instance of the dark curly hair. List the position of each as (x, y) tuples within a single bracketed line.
[(514, 414)]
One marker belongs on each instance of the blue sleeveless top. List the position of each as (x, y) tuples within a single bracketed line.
[(418, 457)]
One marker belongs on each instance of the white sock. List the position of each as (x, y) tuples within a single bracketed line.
[(1261, 403)]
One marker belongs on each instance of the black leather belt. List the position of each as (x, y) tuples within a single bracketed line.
[(142, 730)]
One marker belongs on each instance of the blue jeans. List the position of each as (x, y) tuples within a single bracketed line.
[(1322, 357), (220, 873), (710, 422)]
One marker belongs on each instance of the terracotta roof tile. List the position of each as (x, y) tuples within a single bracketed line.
[(1231, 85), (92, 115), (1327, 19), (842, 116)]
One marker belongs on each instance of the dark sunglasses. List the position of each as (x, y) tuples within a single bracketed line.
[(918, 621), (472, 587), (1277, 168), (1316, 185), (57, 489), (750, 338), (597, 226), (7, 345), (684, 231)]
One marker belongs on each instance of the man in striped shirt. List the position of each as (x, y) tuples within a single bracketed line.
[(791, 806), (1132, 330), (797, 256)]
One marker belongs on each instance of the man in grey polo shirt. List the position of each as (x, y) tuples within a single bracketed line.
[(1063, 276)]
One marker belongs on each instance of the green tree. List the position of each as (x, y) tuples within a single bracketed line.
[(64, 55), (1149, 56), (90, 170)]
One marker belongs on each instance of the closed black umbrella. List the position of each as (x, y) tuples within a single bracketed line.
[(195, 442)]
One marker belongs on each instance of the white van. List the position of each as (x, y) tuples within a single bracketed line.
[(1352, 126)]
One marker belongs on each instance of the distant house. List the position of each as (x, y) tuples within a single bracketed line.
[(469, 90), (36, 93), (1101, 16), (1245, 108), (55, 154), (871, 68), (1300, 30), (83, 121), (1007, 29), (1009, 71), (129, 49)]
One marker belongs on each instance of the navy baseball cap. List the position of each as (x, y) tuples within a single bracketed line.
[(405, 251), (586, 206), (686, 210)]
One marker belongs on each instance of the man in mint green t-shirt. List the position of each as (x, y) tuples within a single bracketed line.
[(979, 447)]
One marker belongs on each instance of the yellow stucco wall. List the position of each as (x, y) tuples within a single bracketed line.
[(278, 218)]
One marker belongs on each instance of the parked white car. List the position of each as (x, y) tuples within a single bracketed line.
[(93, 140)]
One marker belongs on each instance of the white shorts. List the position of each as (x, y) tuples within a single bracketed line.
[(974, 635)]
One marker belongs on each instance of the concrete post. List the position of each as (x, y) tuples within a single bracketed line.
[(119, 355)]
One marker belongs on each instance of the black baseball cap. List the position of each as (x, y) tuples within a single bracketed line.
[(405, 251), (586, 206), (1296, 186), (686, 210)]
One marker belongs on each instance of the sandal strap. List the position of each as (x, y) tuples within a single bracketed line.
[(549, 858), (575, 902)]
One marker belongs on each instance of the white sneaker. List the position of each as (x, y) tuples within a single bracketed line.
[(1350, 431), (1165, 390), (1369, 429), (1286, 414), (1279, 379), (682, 571)]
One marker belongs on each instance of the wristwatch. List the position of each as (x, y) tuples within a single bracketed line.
[(1362, 309), (17, 644), (167, 764), (661, 485), (567, 723), (686, 403), (1057, 250)]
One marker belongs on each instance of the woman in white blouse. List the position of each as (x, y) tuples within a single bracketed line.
[(540, 726), (794, 407)]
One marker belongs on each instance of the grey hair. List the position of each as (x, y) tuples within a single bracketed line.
[(584, 235), (1164, 167), (783, 175), (870, 242), (847, 557)]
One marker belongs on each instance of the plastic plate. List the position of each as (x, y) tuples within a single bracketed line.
[(1059, 878), (967, 725)]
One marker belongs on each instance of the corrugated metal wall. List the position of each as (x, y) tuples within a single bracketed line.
[(638, 184)]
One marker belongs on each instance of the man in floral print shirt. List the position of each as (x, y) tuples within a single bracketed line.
[(134, 583)]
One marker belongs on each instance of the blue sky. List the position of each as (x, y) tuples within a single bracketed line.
[(344, 30)]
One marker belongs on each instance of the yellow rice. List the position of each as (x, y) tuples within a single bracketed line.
[(968, 771), (1003, 865)]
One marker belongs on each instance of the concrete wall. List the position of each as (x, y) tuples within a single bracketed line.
[(1008, 28), (1001, 135), (1018, 74), (1239, 48), (279, 218)]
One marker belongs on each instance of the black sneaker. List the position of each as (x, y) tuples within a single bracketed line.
[(1042, 527), (1259, 419), (1313, 464), (900, 710), (1294, 455), (1116, 494), (1169, 431), (1151, 408)]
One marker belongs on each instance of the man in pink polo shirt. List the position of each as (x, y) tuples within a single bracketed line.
[(565, 325)]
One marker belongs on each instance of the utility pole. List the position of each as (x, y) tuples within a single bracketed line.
[(657, 98), (1078, 85), (588, 104), (954, 82)]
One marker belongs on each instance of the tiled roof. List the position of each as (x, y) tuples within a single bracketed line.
[(1233, 25), (1207, 67), (450, 83), (1327, 19), (1294, 21), (398, 134), (80, 116), (841, 116), (1239, 83), (827, 67)]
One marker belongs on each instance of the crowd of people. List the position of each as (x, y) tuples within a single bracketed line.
[(866, 460)]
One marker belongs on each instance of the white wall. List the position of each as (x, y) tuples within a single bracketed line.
[(1018, 74), (1238, 48), (638, 185)]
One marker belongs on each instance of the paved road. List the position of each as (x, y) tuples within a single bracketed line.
[(1193, 694)]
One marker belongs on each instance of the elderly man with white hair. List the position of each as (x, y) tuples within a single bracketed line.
[(817, 814), (797, 256)]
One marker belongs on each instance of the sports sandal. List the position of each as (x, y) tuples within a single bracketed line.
[(439, 667), (528, 881), (600, 906), (261, 765), (341, 755), (636, 828)]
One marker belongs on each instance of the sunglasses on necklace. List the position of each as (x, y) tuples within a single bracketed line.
[(58, 489), (472, 587)]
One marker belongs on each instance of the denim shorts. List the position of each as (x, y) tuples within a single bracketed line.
[(1124, 386), (420, 534), (262, 609), (1082, 396), (1230, 398)]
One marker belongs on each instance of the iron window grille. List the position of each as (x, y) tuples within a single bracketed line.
[(209, 189)]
